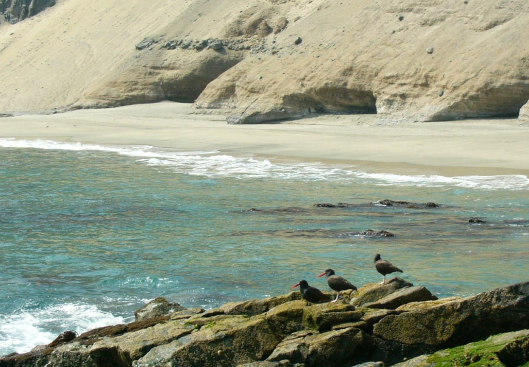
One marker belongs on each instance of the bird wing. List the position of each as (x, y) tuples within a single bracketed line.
[(339, 283), (385, 267), (315, 295)]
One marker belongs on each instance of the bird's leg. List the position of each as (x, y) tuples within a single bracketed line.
[(337, 296), (384, 281)]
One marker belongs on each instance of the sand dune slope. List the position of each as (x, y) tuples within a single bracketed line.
[(406, 60)]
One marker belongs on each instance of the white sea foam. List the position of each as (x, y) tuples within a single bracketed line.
[(25, 329), (215, 164)]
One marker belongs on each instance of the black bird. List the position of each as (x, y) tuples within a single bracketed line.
[(385, 267), (311, 294), (336, 282)]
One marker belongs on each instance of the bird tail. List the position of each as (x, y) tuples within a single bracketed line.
[(400, 271)]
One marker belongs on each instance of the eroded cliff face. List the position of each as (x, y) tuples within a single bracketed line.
[(405, 60), (524, 113), (17, 10)]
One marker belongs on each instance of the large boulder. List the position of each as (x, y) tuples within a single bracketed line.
[(373, 292), (329, 349), (157, 308), (460, 321), (402, 297)]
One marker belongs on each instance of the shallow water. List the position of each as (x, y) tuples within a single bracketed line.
[(90, 233)]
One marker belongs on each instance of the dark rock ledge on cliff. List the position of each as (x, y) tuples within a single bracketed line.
[(378, 325)]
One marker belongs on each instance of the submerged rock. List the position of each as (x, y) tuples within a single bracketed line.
[(407, 204)]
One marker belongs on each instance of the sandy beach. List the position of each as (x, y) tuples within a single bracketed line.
[(470, 147)]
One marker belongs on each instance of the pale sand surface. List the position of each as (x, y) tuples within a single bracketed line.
[(471, 147)]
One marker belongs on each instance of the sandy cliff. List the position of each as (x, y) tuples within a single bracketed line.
[(405, 60)]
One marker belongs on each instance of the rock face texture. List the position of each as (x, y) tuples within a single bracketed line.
[(524, 113), (275, 59), (17, 10), (286, 331)]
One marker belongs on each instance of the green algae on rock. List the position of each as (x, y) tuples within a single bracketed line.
[(503, 350)]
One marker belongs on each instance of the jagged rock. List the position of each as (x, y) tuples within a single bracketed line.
[(460, 321), (228, 342), (323, 316), (476, 220), (63, 338), (403, 296), (373, 292), (217, 46), (258, 306), (157, 308), (331, 334), (503, 350), (329, 349), (146, 43), (371, 364)]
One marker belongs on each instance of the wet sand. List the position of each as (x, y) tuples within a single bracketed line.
[(470, 147)]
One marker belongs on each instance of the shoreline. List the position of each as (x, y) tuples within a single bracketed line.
[(452, 148)]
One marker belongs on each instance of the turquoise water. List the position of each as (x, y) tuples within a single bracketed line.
[(88, 233)]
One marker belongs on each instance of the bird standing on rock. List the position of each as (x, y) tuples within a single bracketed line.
[(336, 282), (385, 267), (311, 294)]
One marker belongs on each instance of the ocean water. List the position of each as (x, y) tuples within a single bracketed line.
[(90, 233)]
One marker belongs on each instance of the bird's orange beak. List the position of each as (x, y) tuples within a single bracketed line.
[(322, 274), (294, 286)]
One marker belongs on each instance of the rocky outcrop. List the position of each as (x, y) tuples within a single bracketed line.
[(17, 10), (524, 113), (285, 331)]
